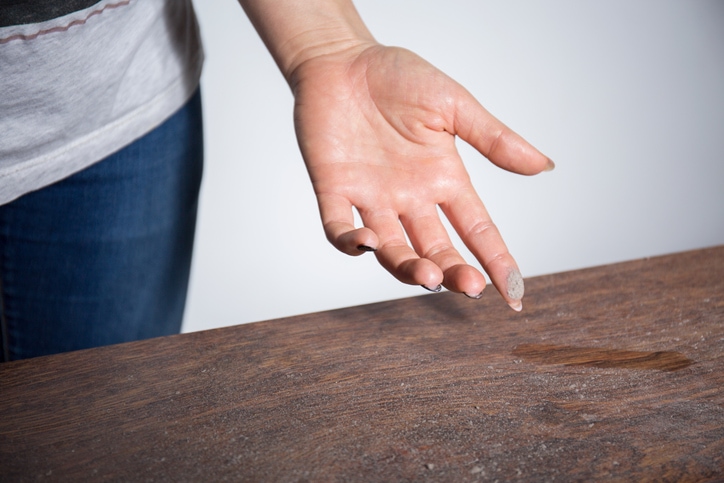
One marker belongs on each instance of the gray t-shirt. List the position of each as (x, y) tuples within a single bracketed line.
[(76, 88)]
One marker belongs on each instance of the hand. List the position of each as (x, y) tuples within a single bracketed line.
[(376, 126)]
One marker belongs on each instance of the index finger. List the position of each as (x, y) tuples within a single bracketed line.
[(471, 220)]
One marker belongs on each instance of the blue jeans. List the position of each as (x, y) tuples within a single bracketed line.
[(103, 256)]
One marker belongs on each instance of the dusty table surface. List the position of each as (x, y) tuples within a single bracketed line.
[(615, 372)]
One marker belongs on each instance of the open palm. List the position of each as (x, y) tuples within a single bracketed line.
[(376, 126)]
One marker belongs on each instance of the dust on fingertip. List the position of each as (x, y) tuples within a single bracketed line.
[(515, 287)]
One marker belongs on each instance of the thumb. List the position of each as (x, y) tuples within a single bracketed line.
[(494, 140)]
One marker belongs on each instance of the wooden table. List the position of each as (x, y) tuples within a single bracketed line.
[(614, 372)]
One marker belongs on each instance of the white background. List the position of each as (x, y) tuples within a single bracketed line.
[(626, 97)]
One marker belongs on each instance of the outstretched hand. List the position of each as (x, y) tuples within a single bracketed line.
[(376, 126)]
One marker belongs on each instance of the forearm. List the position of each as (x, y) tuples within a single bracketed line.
[(295, 31)]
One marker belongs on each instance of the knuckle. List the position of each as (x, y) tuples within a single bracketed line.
[(483, 228), (436, 251)]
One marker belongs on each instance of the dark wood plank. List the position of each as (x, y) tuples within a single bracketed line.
[(614, 372)]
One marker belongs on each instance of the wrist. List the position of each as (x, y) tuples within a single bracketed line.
[(332, 47), (297, 32)]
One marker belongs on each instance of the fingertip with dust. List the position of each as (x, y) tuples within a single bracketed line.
[(515, 289)]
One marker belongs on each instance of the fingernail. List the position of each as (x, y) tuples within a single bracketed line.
[(476, 297), (365, 248), (550, 165), (436, 289), (516, 305)]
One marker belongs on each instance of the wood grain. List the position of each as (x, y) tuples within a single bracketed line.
[(432, 388)]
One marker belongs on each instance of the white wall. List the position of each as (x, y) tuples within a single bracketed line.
[(626, 97)]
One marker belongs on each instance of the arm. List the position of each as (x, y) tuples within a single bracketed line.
[(376, 126)]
